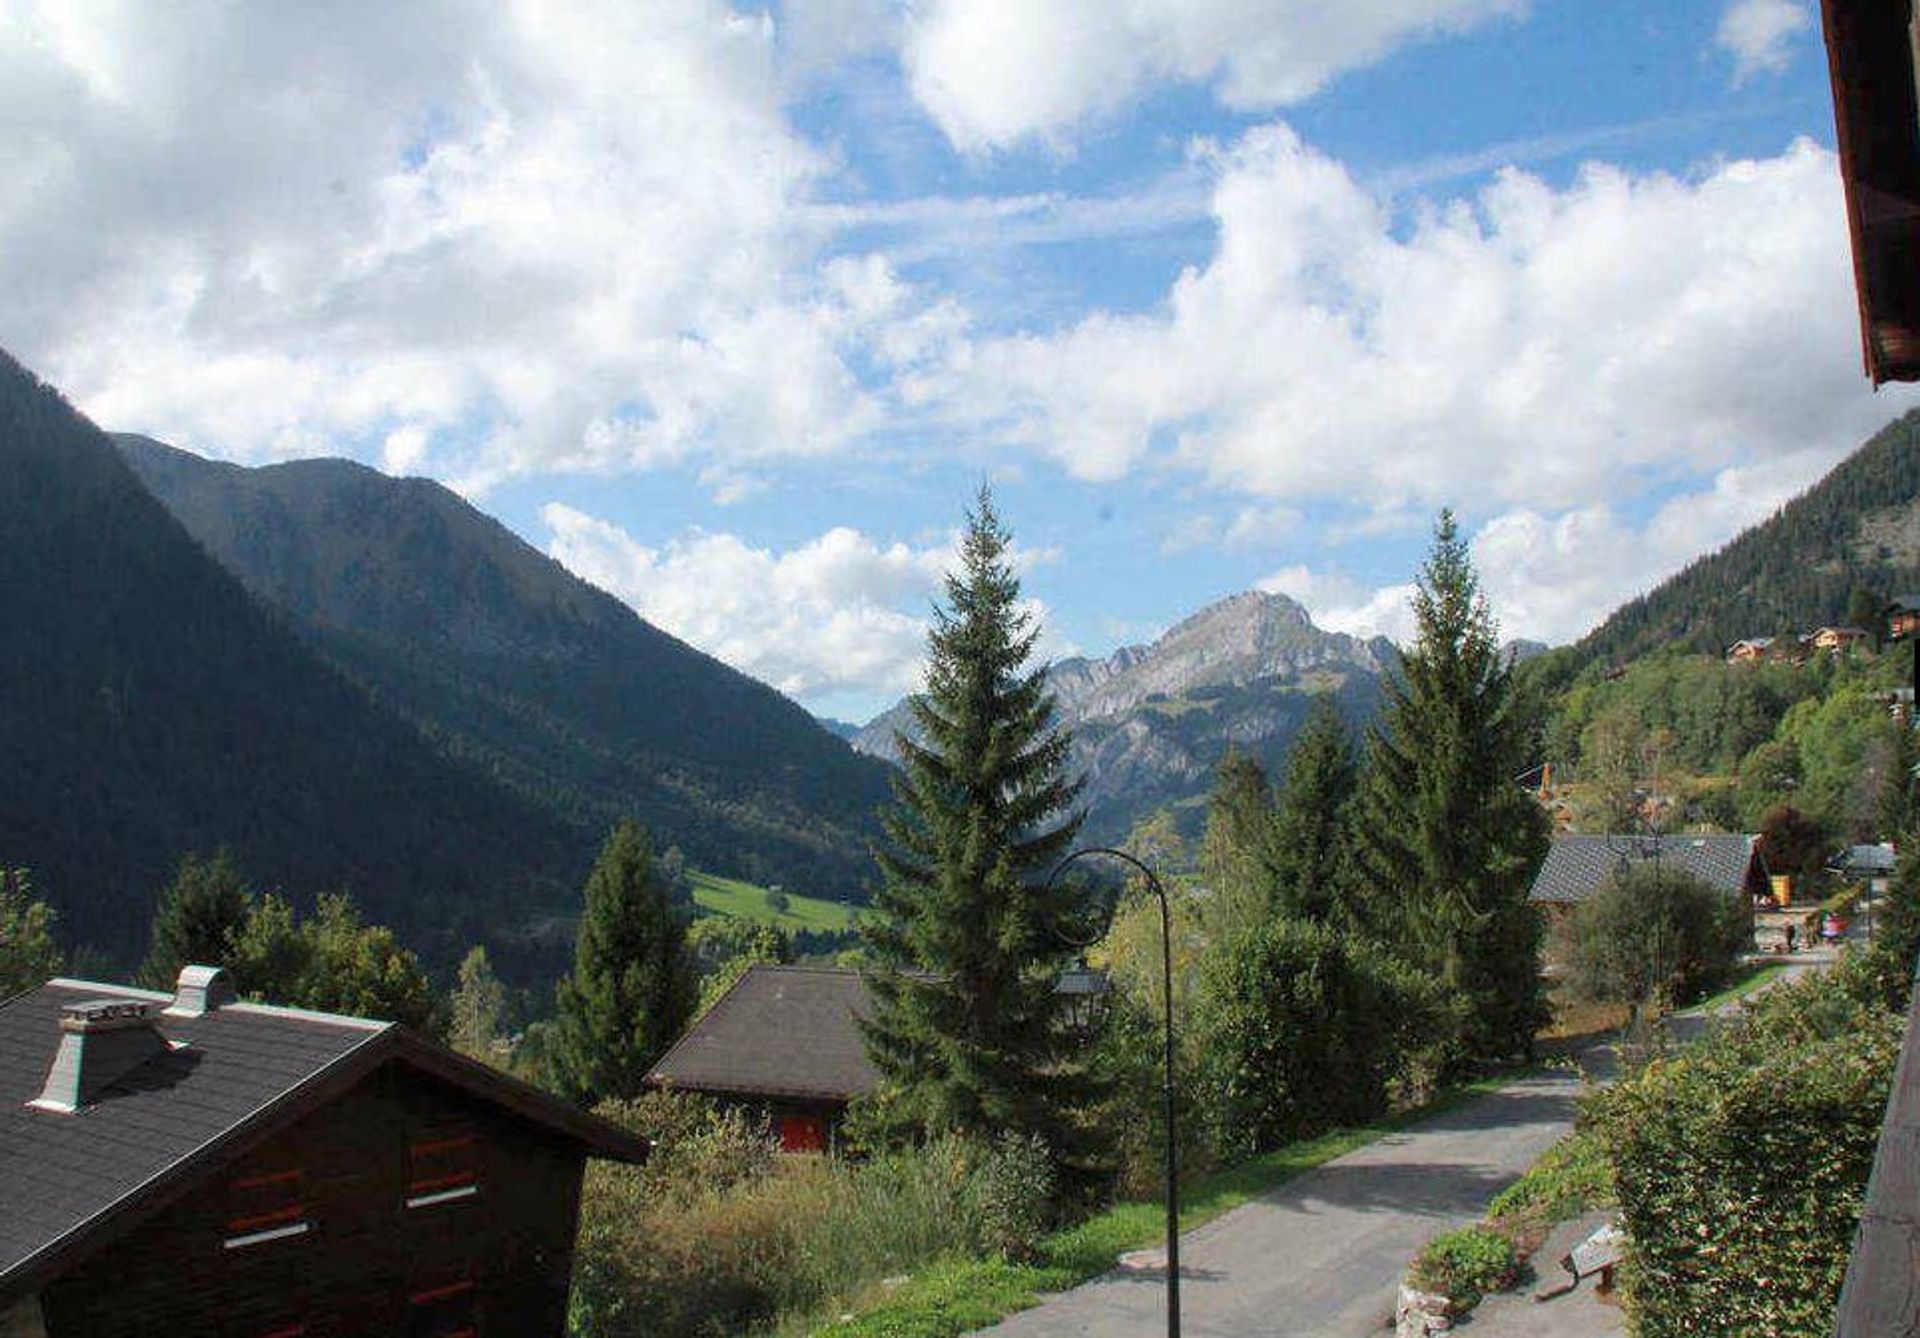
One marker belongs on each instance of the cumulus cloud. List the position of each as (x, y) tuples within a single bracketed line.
[(1553, 577), (994, 72), (1530, 347), (1759, 34), (841, 616), (564, 232)]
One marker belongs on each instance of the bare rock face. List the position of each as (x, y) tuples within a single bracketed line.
[(1150, 723)]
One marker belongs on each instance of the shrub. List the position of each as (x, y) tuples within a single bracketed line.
[(1301, 1028), (1655, 930), (1741, 1163), (1016, 1194), (1465, 1265)]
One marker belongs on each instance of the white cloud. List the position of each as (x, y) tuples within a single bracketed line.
[(839, 617), (1554, 577), (839, 614), (1531, 347), (1759, 34), (566, 231), (994, 72)]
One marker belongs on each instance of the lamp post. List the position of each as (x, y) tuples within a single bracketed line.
[(1166, 1089)]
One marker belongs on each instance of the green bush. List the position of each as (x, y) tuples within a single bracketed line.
[(1465, 1265), (1301, 1028), (1655, 931), (1016, 1194), (1740, 1164)]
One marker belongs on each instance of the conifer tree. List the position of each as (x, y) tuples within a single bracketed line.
[(478, 1007), (963, 949), (1236, 850), (199, 919), (28, 954), (1446, 841), (631, 989), (1310, 829)]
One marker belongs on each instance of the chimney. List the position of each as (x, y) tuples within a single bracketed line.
[(101, 1042), (199, 991)]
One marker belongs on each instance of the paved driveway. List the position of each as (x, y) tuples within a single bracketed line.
[(1322, 1256)]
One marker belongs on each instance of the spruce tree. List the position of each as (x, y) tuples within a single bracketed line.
[(1446, 840), (198, 920), (631, 989), (963, 946), (1310, 830)]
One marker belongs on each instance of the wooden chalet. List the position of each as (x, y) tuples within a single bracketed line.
[(1903, 616), (1835, 640), (1876, 112), (784, 1044), (190, 1164), (1752, 648), (1577, 866)]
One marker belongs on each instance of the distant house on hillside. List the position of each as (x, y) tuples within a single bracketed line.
[(1577, 866), (1903, 616), (186, 1164), (1835, 640), (784, 1044), (1753, 648)]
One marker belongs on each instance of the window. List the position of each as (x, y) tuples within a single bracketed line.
[(446, 1311), (269, 1207), (443, 1169)]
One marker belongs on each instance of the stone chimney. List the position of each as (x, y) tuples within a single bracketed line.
[(101, 1042), (199, 991)]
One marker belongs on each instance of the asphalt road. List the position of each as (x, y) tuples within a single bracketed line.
[(1322, 1255)]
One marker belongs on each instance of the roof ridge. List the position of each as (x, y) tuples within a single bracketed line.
[(239, 1005)]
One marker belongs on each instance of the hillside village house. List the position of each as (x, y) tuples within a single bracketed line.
[(784, 1045), (188, 1164), (1753, 648), (1903, 616), (1577, 866), (1835, 640)]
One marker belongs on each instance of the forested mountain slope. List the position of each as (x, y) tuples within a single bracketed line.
[(505, 658), (150, 706), (1857, 527)]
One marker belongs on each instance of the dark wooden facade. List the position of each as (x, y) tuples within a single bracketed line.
[(496, 1260)]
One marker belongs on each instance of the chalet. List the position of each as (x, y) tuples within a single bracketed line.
[(1577, 866), (1903, 616), (784, 1044), (1835, 640), (185, 1163), (1753, 648)]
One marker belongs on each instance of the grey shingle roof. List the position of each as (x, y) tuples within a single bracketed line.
[(68, 1180), (781, 1031), (1576, 866)]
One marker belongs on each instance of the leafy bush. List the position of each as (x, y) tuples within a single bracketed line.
[(1302, 1027), (1741, 1163), (1016, 1194), (1465, 1265), (1654, 930)]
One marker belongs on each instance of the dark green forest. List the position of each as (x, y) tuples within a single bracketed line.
[(508, 662), (151, 707)]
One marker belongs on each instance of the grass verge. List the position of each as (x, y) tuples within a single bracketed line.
[(955, 1296), (1756, 977)]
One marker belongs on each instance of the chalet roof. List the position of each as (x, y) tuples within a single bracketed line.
[(1880, 858), (1577, 866), (1756, 642), (781, 1031), (236, 1074), (1904, 604), (1870, 52)]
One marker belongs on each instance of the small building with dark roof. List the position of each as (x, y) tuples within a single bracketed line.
[(1903, 616), (190, 1164), (783, 1043), (1577, 866)]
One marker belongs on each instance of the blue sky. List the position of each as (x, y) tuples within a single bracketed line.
[(731, 307)]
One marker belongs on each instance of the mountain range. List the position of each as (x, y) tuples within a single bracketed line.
[(150, 706), (1150, 723), (509, 663)]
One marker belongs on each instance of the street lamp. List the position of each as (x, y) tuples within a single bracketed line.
[(1166, 1090)]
